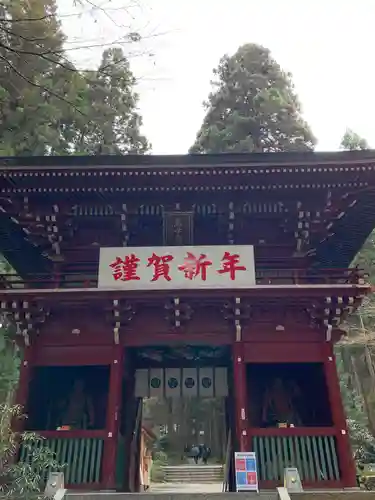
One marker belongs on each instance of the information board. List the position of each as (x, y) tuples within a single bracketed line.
[(245, 465)]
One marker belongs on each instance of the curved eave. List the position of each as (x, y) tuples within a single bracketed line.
[(216, 179), (286, 175), (349, 234), (21, 254), (267, 160)]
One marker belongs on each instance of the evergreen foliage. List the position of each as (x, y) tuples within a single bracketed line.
[(48, 106), (252, 108), (363, 442), (356, 359), (22, 480), (351, 141)]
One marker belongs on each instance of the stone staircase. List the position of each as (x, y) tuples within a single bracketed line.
[(196, 474)]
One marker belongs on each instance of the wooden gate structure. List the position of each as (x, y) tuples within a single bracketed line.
[(258, 249)]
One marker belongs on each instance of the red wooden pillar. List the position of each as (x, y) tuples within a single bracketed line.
[(113, 418), (240, 397), (22, 392), (346, 461)]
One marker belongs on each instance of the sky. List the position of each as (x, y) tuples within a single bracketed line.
[(328, 46)]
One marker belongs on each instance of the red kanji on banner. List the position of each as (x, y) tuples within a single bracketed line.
[(230, 264), (193, 266), (161, 266), (125, 269)]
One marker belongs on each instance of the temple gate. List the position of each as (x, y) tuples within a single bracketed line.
[(245, 256)]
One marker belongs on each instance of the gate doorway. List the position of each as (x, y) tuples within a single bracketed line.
[(183, 395)]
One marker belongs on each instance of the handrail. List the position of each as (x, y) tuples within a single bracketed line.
[(293, 431), (259, 269), (228, 456), (270, 276), (73, 434), (134, 443)]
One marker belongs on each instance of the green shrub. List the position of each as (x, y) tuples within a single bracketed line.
[(160, 460), (22, 480)]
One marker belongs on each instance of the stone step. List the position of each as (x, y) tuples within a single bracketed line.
[(194, 465), (193, 473), (197, 473), (198, 470), (193, 478)]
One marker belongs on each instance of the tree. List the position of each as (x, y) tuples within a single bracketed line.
[(36, 80), (9, 362), (362, 441), (359, 362), (48, 106), (182, 421), (352, 141), (113, 125), (252, 107), (9, 352)]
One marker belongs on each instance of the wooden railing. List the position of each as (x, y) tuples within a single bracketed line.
[(309, 276), (81, 456), (88, 279), (313, 451)]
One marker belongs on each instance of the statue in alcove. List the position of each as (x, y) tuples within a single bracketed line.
[(78, 410), (280, 403)]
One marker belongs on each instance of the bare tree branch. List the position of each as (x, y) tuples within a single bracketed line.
[(41, 87), (57, 57), (93, 8), (127, 39), (43, 55)]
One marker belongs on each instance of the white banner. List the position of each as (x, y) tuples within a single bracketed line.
[(171, 268), (181, 382), (156, 381), (206, 381), (189, 382), (173, 382)]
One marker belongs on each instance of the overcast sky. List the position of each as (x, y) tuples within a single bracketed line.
[(328, 45)]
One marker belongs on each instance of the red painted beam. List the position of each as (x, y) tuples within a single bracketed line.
[(293, 431), (301, 292), (74, 434)]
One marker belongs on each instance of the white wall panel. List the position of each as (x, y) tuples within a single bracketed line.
[(141, 389), (221, 382)]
